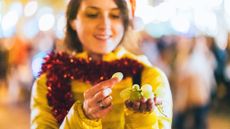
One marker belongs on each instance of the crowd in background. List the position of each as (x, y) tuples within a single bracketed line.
[(16, 72), (198, 70)]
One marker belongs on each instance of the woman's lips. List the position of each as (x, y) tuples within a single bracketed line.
[(102, 37)]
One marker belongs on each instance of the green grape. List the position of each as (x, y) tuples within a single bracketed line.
[(146, 87), (147, 94), (135, 95), (147, 91), (125, 94), (136, 87)]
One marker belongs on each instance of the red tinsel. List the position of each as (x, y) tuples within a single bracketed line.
[(61, 68)]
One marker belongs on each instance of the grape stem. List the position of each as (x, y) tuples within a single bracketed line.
[(160, 109)]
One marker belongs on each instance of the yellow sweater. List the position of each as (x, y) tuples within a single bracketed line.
[(119, 117)]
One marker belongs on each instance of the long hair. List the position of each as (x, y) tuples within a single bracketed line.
[(71, 37)]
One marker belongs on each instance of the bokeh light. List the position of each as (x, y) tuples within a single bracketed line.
[(30, 8), (46, 22)]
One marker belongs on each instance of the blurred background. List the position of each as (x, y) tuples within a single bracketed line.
[(188, 39)]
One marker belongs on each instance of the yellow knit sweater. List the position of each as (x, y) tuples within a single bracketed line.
[(119, 117)]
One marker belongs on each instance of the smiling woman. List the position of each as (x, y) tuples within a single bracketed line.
[(97, 22), (102, 23), (75, 88)]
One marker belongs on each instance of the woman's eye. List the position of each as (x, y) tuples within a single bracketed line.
[(93, 15), (115, 16)]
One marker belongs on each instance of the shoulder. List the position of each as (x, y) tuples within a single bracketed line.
[(56, 62), (139, 58), (154, 72), (149, 70), (39, 85)]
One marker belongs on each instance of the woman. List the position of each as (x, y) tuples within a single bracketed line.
[(75, 90)]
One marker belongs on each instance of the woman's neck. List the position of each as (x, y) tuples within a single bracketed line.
[(92, 55), (95, 57)]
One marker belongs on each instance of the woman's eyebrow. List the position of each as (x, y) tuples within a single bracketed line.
[(97, 8), (92, 7)]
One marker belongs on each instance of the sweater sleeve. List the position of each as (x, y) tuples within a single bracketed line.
[(41, 114), (161, 117)]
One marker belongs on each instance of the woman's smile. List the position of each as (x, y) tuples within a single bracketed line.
[(103, 37)]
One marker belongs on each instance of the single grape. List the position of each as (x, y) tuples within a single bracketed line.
[(118, 75), (147, 94), (135, 93), (146, 87), (136, 87), (147, 91)]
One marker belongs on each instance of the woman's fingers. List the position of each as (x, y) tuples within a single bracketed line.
[(100, 86), (102, 104), (98, 111), (102, 112), (141, 105), (129, 104), (136, 105), (97, 99), (107, 101), (102, 94), (150, 105)]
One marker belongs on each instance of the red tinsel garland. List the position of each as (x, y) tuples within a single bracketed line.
[(61, 68)]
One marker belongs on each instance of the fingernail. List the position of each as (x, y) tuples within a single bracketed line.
[(118, 75), (107, 91)]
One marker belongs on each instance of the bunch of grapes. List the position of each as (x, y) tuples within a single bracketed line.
[(138, 99), (136, 93)]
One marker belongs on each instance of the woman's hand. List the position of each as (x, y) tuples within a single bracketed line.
[(143, 105), (97, 100)]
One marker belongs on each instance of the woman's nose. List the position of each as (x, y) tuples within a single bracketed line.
[(105, 22)]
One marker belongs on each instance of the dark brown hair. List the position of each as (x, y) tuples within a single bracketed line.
[(71, 38)]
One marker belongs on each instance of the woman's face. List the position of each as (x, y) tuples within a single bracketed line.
[(99, 25)]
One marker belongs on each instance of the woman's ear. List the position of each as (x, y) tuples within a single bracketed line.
[(73, 24)]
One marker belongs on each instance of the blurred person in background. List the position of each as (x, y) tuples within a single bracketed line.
[(75, 88), (220, 56), (148, 47), (195, 65), (20, 74), (4, 63), (165, 60), (227, 68)]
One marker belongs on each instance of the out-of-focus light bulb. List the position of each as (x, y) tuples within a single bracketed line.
[(30, 8), (30, 29), (61, 23), (46, 22), (227, 6), (165, 11), (9, 22), (206, 22), (180, 24)]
